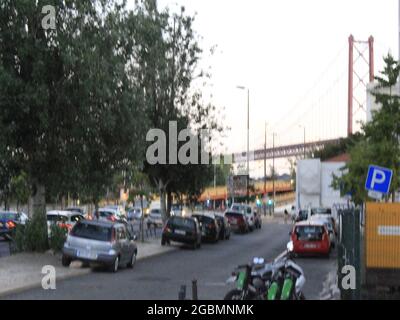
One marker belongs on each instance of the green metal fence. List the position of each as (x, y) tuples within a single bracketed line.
[(349, 249)]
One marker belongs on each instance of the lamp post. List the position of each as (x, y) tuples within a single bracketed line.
[(248, 136)]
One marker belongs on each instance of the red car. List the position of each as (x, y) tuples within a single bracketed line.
[(310, 237)]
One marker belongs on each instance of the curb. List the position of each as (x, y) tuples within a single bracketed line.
[(70, 276)]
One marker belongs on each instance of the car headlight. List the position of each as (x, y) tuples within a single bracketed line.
[(112, 252)]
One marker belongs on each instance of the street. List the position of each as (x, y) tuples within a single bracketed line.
[(160, 277), (4, 248)]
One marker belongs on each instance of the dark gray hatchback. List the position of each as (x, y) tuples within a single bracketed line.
[(100, 242)]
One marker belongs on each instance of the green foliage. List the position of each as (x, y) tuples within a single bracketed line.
[(333, 150), (31, 237), (57, 237), (380, 143)]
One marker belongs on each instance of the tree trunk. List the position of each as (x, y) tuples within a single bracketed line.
[(169, 203), (39, 200), (162, 191)]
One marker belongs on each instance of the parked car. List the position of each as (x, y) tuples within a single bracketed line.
[(120, 211), (248, 211), (209, 226), (326, 212), (224, 226), (108, 214), (327, 221), (9, 220), (100, 242), (182, 229), (76, 209), (310, 237), (134, 214), (64, 219), (237, 221), (155, 217)]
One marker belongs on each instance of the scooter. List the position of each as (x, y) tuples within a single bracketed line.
[(252, 281), (288, 278)]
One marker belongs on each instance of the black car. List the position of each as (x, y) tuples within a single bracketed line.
[(182, 229), (224, 227), (209, 227), (302, 216)]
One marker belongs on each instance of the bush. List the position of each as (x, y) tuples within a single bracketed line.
[(31, 237), (57, 238)]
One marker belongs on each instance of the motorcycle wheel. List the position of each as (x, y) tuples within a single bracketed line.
[(234, 294)]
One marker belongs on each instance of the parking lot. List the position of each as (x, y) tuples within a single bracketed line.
[(161, 277)]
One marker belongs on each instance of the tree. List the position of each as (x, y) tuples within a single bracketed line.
[(69, 101), (380, 142), (168, 56)]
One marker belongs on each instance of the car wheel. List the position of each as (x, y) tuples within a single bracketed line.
[(114, 267), (65, 261), (131, 264)]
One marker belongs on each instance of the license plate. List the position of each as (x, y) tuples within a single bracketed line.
[(180, 232), (310, 246), (87, 255), (233, 221)]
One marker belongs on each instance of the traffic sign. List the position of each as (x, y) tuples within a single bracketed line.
[(378, 180)]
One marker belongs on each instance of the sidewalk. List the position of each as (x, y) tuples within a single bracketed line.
[(24, 271)]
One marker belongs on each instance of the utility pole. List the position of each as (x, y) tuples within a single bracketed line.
[(248, 143), (304, 142), (248, 139), (265, 164), (273, 173), (215, 184)]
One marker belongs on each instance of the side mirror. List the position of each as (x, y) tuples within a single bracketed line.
[(289, 246), (290, 233), (135, 237)]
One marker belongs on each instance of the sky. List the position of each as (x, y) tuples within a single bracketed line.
[(293, 56)]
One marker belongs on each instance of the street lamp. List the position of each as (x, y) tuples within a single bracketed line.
[(248, 136), (273, 171), (304, 145)]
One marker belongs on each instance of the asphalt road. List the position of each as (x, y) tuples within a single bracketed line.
[(4, 248), (160, 277)]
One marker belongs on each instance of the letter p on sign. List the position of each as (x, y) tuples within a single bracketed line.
[(379, 179)]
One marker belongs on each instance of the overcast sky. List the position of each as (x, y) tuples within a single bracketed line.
[(292, 54)]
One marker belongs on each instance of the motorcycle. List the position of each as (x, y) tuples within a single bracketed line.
[(281, 279), (251, 280), (288, 278)]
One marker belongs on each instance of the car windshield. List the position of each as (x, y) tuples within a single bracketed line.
[(204, 219), (8, 216), (182, 223), (237, 207), (309, 233), (56, 218), (92, 232), (233, 215), (320, 211)]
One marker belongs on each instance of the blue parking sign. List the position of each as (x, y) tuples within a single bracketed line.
[(379, 179)]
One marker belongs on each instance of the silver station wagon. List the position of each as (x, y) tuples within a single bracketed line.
[(100, 242)]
